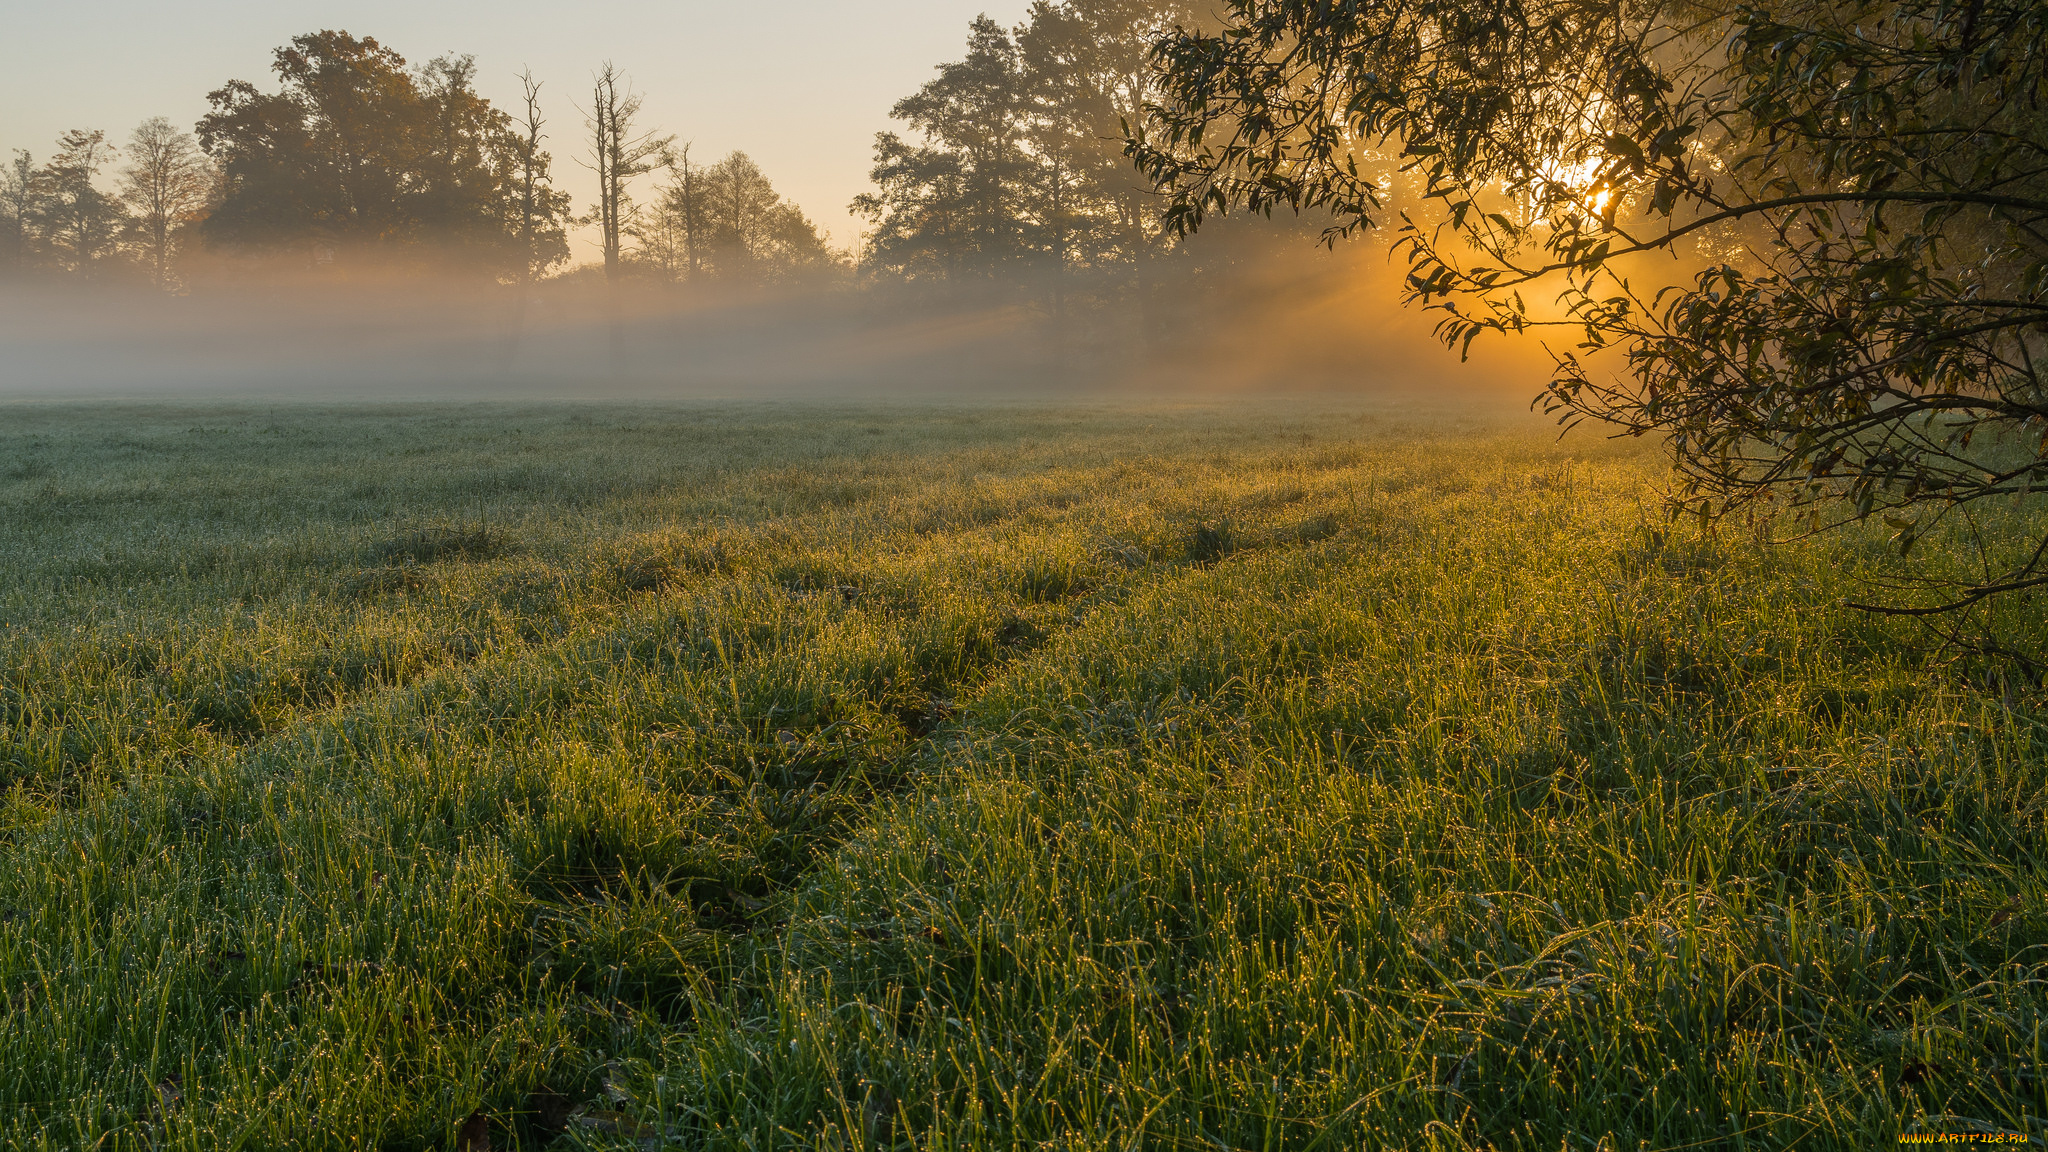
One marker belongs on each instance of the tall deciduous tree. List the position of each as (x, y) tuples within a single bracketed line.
[(1016, 164), (463, 183), (332, 161), (919, 211), (728, 222), (534, 214), (1087, 66), (756, 235), (358, 157), (166, 184), (671, 233), (78, 224), (950, 207), (1864, 187), (19, 191)]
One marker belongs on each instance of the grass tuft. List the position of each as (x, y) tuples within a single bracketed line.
[(1209, 543), (431, 545)]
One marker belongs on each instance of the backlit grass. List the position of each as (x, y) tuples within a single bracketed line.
[(1314, 776)]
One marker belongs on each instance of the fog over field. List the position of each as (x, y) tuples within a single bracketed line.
[(1292, 322)]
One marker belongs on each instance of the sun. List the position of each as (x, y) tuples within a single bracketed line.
[(1585, 192)]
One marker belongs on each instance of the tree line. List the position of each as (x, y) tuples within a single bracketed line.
[(1010, 173), (356, 159)]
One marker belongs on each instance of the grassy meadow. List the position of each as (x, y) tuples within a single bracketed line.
[(1318, 775)]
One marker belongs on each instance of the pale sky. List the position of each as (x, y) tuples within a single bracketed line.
[(801, 85)]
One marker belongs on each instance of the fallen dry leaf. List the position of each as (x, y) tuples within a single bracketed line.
[(550, 1108), (474, 1135)]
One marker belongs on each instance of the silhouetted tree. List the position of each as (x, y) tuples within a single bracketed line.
[(464, 173), (331, 160), (619, 152), (18, 192), (728, 222), (754, 233), (919, 211), (1087, 69), (356, 155), (670, 233), (950, 207), (1017, 163), (166, 184), (78, 224), (536, 212)]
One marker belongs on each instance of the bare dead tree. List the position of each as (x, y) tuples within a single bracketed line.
[(688, 195), (619, 151), (539, 211), (530, 177)]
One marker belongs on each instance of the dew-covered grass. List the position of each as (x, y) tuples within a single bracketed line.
[(1308, 775)]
